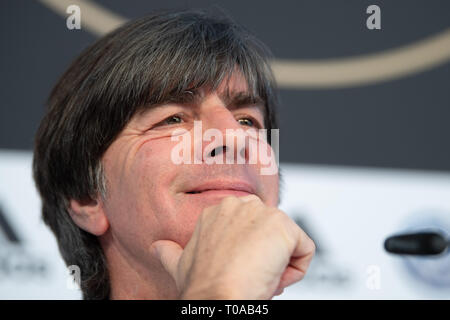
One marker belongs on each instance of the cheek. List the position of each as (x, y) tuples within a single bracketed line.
[(159, 208), (174, 217), (152, 174), (140, 208)]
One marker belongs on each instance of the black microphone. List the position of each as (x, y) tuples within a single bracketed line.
[(420, 243)]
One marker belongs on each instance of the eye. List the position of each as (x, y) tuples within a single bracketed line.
[(172, 120), (169, 121), (246, 122)]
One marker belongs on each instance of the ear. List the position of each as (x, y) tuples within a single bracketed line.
[(89, 215)]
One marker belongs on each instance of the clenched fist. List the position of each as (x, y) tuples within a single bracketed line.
[(240, 249)]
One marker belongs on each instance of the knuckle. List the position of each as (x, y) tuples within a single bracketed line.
[(252, 204), (227, 201), (251, 197), (279, 221), (277, 212)]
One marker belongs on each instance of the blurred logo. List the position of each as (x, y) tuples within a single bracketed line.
[(433, 271), (323, 270), (16, 262), (73, 280), (373, 281)]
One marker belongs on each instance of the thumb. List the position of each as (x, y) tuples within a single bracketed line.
[(169, 253)]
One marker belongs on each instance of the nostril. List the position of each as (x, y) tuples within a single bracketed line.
[(217, 151)]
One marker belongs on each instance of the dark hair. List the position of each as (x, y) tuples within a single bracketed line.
[(143, 63)]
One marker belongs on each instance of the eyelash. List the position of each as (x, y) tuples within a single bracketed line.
[(249, 119)]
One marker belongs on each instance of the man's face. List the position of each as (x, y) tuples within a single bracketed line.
[(152, 198)]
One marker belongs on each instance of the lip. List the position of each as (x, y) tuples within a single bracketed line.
[(222, 187)]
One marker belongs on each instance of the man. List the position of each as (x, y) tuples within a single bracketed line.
[(138, 224)]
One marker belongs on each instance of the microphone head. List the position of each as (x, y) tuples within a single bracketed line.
[(421, 243)]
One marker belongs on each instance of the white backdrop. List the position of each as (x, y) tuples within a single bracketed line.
[(347, 211)]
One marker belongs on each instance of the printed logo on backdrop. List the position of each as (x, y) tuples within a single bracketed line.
[(324, 271), (16, 262), (432, 271), (73, 21)]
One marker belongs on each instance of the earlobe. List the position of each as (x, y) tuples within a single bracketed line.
[(89, 216)]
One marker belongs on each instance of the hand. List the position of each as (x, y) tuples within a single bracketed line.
[(240, 249)]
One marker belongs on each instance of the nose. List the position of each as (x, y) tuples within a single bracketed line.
[(230, 154), (223, 139)]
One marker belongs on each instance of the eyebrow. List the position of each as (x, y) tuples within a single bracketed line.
[(241, 99)]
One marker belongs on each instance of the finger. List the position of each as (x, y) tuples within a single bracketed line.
[(290, 276), (251, 197), (169, 253), (303, 254)]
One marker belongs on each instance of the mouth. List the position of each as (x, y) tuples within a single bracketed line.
[(220, 192), (221, 188)]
